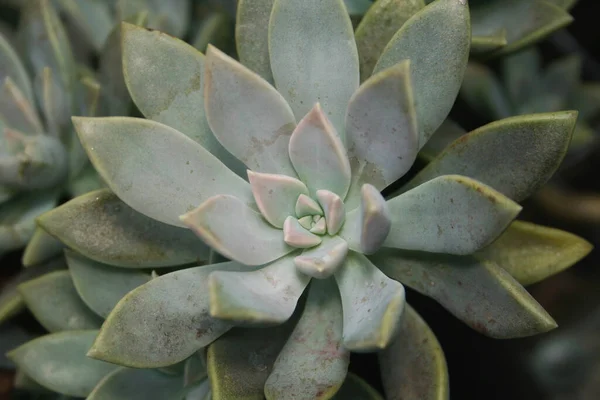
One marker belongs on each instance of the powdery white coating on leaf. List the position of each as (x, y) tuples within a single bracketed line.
[(313, 56), (236, 231), (313, 363), (318, 155), (155, 169), (373, 304), (266, 296), (252, 35), (295, 235), (247, 115), (306, 206), (450, 214), (322, 261), (334, 209)]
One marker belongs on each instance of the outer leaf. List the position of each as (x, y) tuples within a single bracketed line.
[(240, 361), (227, 225), (436, 40), (322, 261), (383, 19), (536, 143), (111, 76), (252, 35), (414, 367), (54, 302), (313, 363), (103, 228), (531, 253), (382, 135), (165, 77), (162, 322), (483, 92), (41, 248), (257, 132), (266, 296), (11, 65), (134, 384), (16, 111), (92, 18), (11, 336), (494, 41), (521, 73), (373, 304), (101, 286), (447, 133), (58, 362), (480, 293), (155, 169), (450, 214), (307, 41)]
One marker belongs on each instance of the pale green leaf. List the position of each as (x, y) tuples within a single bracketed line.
[(103, 228), (484, 44), (252, 35), (92, 18), (480, 293), (11, 336), (484, 93), (357, 7), (86, 181), (115, 96), (11, 65), (522, 75), (447, 133), (41, 248), (536, 143), (16, 111), (414, 366), (436, 40), (308, 40), (138, 384), (155, 169)]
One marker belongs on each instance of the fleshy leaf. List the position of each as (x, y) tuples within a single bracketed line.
[(252, 35), (102, 286), (307, 41), (276, 195), (91, 17), (381, 128), (436, 41), (414, 366), (536, 143), (357, 389), (447, 133), (521, 75), (318, 154), (266, 296), (58, 362), (450, 214), (16, 111), (11, 65), (377, 28), (103, 228), (480, 293), (54, 302), (295, 235), (111, 76), (562, 76), (42, 247), (240, 361), (306, 206), (531, 253), (230, 227), (357, 7), (258, 131), (155, 169), (484, 93), (373, 304), (322, 261), (487, 43), (165, 77), (55, 107), (334, 209), (313, 363), (306, 222), (162, 322), (138, 384), (320, 227)]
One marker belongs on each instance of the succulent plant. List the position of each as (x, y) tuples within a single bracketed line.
[(498, 26), (319, 148)]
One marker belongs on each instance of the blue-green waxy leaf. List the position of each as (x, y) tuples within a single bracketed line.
[(101, 286), (162, 322), (54, 302), (258, 131), (155, 169), (266, 296), (103, 228), (521, 75), (240, 361), (91, 17), (138, 384), (357, 389), (436, 40), (536, 143), (16, 111), (522, 22), (307, 41), (377, 28), (252, 35), (86, 181), (480, 293), (313, 363), (531, 253), (58, 362), (323, 260), (236, 231), (25, 382), (414, 366), (11, 336), (373, 304), (381, 129), (484, 93), (447, 133), (11, 65), (41, 248), (357, 7), (450, 214), (165, 77), (55, 106)]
